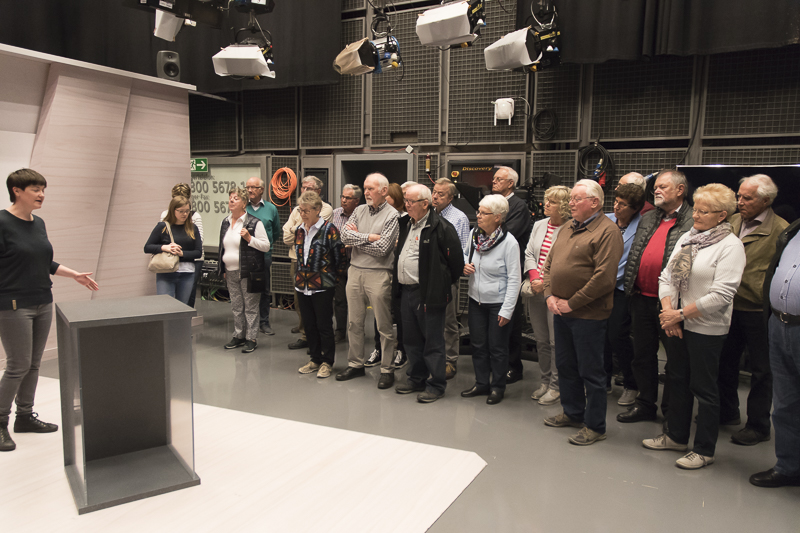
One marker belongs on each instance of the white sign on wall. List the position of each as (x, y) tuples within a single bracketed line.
[(210, 195)]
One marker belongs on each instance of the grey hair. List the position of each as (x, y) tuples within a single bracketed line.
[(677, 177), (422, 190), (407, 184), (355, 188), (766, 190), (260, 181), (636, 179), (383, 182), (593, 189), (451, 187), (310, 198), (512, 174), (497, 203), (317, 182)]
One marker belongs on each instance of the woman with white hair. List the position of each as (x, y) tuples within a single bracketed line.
[(493, 266), (696, 290)]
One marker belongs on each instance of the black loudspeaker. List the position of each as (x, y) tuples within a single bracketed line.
[(168, 65)]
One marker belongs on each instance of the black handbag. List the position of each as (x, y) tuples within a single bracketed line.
[(256, 282)]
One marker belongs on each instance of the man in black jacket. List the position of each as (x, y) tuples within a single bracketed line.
[(428, 261), (519, 223)]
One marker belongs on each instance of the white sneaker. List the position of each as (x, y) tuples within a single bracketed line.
[(309, 368), (551, 397), (324, 371), (663, 442), (693, 461), (628, 397), (538, 393), (374, 359)]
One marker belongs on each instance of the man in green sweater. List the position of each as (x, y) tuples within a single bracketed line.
[(267, 213)]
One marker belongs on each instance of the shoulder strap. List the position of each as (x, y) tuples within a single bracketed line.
[(169, 230)]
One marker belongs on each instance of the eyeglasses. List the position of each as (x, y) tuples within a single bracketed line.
[(343, 197), (182, 211), (703, 212), (305, 211), (252, 188), (496, 179), (407, 201), (576, 200), (484, 213), (623, 205), (310, 188)]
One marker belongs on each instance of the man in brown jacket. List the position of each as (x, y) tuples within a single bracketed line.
[(758, 227), (579, 277)]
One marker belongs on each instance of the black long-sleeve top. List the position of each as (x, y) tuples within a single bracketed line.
[(192, 248), (26, 263)]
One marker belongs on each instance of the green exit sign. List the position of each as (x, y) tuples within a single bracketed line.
[(199, 164)]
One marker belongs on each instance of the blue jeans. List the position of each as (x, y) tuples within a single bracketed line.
[(784, 358), (489, 345), (581, 376), (176, 284)]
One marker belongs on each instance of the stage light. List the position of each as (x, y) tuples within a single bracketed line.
[(532, 49), (457, 23)]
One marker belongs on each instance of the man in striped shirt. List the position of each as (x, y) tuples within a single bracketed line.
[(351, 196), (443, 193)]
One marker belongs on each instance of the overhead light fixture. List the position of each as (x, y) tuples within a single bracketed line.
[(532, 49), (454, 24), (368, 57), (246, 60), (167, 25)]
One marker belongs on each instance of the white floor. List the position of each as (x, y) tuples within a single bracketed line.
[(258, 474)]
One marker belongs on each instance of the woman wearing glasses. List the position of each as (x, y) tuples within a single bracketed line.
[(183, 189), (492, 264), (696, 290), (176, 235)]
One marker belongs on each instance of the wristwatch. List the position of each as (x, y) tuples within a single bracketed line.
[(681, 312)]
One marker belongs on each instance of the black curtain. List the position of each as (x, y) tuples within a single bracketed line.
[(597, 31), (306, 35)]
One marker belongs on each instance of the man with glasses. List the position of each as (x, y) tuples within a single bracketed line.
[(579, 277), (443, 193), (655, 238), (429, 260), (519, 223), (637, 179), (351, 196), (313, 184), (267, 213)]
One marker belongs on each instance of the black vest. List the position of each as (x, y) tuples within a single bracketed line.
[(250, 259)]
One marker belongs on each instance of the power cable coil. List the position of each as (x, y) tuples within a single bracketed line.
[(283, 184)]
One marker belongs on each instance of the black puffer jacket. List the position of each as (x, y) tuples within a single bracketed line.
[(647, 228)]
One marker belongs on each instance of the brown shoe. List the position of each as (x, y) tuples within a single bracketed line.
[(562, 421)]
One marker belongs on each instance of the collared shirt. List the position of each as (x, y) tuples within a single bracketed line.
[(627, 239), (459, 220), (339, 218), (310, 233), (578, 225), (408, 262), (784, 292), (750, 226)]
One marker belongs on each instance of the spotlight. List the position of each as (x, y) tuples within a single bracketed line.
[(532, 49), (167, 25), (367, 57), (245, 60), (456, 23)]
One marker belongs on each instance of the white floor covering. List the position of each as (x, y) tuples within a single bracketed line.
[(258, 474)]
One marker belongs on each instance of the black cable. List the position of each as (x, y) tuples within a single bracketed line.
[(503, 7), (585, 171), (545, 124)]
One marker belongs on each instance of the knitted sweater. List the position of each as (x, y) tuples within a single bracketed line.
[(383, 221)]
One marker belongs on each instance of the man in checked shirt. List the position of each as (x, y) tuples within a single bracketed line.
[(372, 233)]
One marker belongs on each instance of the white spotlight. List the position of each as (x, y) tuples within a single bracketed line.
[(451, 24)]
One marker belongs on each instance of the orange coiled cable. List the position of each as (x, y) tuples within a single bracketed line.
[(283, 184)]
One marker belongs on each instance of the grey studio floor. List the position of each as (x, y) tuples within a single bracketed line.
[(535, 480)]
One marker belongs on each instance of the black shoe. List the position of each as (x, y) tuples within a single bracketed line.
[(428, 397), (749, 437), (386, 380), (32, 424), (298, 344), (296, 330), (349, 373), (6, 443), (409, 387), (474, 391), (619, 381), (266, 329), (773, 479), (339, 337), (513, 376), (235, 343), (249, 346), (373, 359), (494, 397), (635, 414), (399, 360)]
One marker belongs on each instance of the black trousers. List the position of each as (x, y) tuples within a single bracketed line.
[(266, 298), (340, 304), (693, 370), (424, 331), (646, 334), (317, 313), (748, 328), (618, 341), (515, 341)]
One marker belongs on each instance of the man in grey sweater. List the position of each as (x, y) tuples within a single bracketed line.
[(372, 233)]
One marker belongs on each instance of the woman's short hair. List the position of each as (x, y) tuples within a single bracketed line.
[(496, 203), (718, 197), (632, 194), (397, 197), (312, 199), (182, 189), (240, 193), (559, 195), (22, 179), (176, 203)]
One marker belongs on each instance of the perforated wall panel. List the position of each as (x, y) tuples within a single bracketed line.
[(559, 90), (473, 88), (270, 119), (642, 161), (279, 281), (353, 5), (276, 162), (771, 155), (422, 176), (213, 125), (561, 163), (642, 100), (753, 93), (332, 115), (407, 111)]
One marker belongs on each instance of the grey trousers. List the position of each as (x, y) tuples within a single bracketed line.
[(451, 339), (244, 306), (24, 335), (369, 287), (542, 323)]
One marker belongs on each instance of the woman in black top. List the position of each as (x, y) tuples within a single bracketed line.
[(26, 301), (187, 246)]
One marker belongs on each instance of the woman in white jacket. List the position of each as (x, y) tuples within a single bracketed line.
[(696, 290), (545, 231), (492, 264)]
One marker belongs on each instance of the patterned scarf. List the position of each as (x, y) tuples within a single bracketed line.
[(483, 242), (681, 264)]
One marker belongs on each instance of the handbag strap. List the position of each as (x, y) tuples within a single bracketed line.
[(169, 229)]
